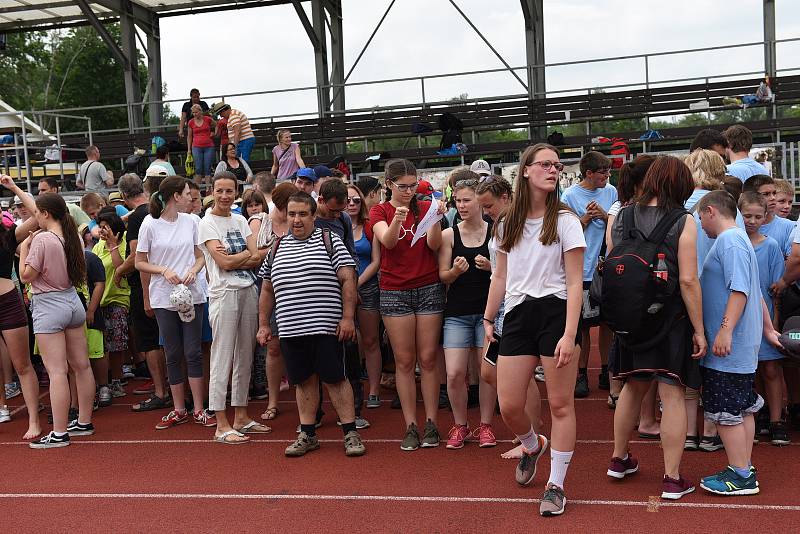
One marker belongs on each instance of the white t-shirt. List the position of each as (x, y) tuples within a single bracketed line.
[(232, 232), (171, 244), (535, 270), (614, 209)]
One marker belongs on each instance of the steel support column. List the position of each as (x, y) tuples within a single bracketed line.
[(154, 71), (533, 13), (337, 79), (770, 59), (133, 90), (321, 56)]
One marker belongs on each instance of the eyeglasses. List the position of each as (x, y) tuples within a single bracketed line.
[(405, 188), (354, 200), (604, 170), (546, 165)]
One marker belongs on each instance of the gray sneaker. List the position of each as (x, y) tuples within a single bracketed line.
[(526, 468), (430, 436), (553, 501), (104, 396), (117, 390), (411, 439), (303, 444), (5, 414), (373, 401), (353, 446), (361, 422), (12, 390)]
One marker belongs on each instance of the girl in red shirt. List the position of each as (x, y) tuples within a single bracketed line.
[(411, 297)]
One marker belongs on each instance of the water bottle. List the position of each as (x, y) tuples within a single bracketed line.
[(661, 273)]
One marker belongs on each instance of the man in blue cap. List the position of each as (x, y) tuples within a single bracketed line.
[(308, 182)]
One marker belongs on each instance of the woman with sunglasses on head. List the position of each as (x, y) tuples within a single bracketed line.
[(372, 190), (411, 297), (540, 274), (230, 162), (369, 317), (465, 267)]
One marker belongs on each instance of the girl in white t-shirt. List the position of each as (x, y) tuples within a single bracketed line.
[(168, 250), (540, 272)]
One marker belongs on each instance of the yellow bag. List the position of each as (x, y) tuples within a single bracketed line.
[(189, 166)]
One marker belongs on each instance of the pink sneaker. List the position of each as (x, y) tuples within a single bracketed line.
[(485, 434), (457, 436)]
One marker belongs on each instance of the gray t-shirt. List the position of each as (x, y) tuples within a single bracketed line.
[(93, 175)]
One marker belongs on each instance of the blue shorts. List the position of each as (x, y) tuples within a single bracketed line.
[(728, 397), (463, 331)]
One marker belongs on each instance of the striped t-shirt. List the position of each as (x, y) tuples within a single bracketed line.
[(238, 118), (308, 298)]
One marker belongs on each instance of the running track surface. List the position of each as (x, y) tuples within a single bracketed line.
[(129, 477)]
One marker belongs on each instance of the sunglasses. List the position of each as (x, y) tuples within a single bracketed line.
[(354, 200)]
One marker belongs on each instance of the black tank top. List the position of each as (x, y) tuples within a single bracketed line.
[(239, 172), (468, 294)]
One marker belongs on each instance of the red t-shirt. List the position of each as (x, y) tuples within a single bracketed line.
[(201, 135), (404, 266)]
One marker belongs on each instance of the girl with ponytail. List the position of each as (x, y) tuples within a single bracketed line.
[(52, 262)]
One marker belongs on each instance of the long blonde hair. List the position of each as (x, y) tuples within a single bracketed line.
[(517, 213)]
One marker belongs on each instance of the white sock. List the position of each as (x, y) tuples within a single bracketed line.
[(559, 463), (530, 441)]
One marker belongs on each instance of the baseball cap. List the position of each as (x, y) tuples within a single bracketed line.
[(115, 196), (18, 201), (181, 298), (481, 166), (322, 171), (156, 170), (425, 188), (308, 174), (790, 338)]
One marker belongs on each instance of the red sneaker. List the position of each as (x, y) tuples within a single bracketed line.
[(486, 437), (619, 468), (173, 418), (457, 436), (203, 417), (147, 388)]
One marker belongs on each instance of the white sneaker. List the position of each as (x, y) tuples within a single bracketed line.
[(5, 414), (127, 371)]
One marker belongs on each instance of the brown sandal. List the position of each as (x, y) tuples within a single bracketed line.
[(270, 414)]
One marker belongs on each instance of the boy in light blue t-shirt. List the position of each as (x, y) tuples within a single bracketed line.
[(591, 199), (735, 316), (778, 228)]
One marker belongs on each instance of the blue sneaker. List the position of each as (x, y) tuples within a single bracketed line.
[(728, 482)]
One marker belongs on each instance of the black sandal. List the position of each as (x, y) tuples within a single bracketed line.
[(153, 402), (612, 402)]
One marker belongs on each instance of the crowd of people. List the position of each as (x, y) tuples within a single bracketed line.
[(481, 290)]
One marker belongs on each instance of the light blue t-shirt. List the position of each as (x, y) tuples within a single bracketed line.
[(770, 269), (577, 198), (745, 168), (703, 241), (782, 231), (731, 265), (121, 212), (167, 165)]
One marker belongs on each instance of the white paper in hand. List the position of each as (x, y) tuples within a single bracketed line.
[(432, 217)]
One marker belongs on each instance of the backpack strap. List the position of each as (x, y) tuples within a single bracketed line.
[(272, 251), (326, 239), (666, 223)]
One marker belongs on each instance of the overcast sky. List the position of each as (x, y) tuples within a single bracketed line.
[(267, 49)]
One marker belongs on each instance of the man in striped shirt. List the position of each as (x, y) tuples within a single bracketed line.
[(239, 131), (310, 282)]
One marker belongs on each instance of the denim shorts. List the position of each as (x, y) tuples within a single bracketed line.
[(463, 331), (370, 296), (425, 300)]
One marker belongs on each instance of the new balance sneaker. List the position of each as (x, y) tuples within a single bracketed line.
[(456, 437), (411, 439), (486, 437), (127, 371), (553, 501), (117, 390), (582, 386), (373, 401), (692, 443), (526, 468), (5, 414), (104, 396), (778, 434), (430, 435), (353, 446), (74, 428), (173, 418), (50, 441), (675, 489), (302, 445), (12, 390), (729, 482), (619, 468), (711, 443), (205, 418)]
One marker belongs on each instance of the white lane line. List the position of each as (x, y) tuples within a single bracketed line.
[(391, 498)]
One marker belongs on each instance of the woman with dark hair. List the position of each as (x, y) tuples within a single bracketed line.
[(111, 249), (13, 319), (230, 162), (254, 207), (168, 249), (540, 274), (162, 159), (411, 297), (369, 316), (372, 189), (52, 262), (671, 363)]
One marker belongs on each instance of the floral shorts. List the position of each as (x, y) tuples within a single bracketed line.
[(116, 334)]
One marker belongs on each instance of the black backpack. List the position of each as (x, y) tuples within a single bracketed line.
[(638, 306)]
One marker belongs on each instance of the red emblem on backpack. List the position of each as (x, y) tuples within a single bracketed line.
[(620, 269)]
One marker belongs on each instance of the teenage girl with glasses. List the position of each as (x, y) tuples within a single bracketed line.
[(411, 297)]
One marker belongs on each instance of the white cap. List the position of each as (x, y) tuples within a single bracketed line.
[(18, 201), (156, 170), (181, 298), (481, 166)]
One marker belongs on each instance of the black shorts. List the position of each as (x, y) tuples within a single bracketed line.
[(320, 354), (144, 328), (728, 397), (534, 327)]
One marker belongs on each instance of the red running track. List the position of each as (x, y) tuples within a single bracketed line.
[(129, 477)]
